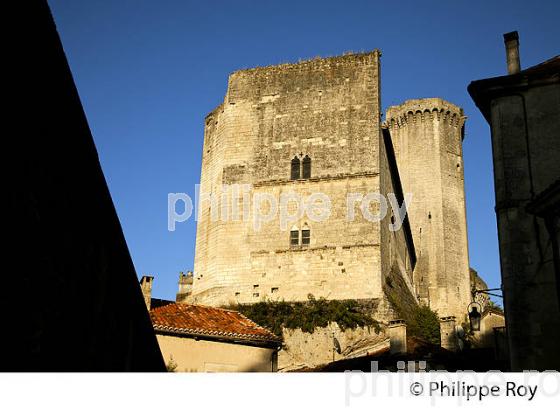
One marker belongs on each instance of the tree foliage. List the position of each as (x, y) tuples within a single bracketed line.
[(421, 321)]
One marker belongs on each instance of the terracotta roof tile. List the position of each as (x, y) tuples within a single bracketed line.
[(198, 320)]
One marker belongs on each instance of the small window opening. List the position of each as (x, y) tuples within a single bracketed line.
[(306, 167), (305, 236), (295, 169), (294, 238)]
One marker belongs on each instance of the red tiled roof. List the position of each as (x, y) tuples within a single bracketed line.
[(197, 320)]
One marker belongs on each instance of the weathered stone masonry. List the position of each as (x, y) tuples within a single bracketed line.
[(328, 110), (427, 135)]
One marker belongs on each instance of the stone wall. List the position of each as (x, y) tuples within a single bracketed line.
[(327, 109), (525, 129), (398, 253), (307, 350), (490, 320)]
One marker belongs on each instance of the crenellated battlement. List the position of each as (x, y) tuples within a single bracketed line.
[(425, 109)]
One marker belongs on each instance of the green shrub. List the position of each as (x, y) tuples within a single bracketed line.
[(307, 316)]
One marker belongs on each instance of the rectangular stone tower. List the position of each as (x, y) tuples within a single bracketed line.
[(305, 128)]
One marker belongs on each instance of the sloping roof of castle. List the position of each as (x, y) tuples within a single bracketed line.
[(205, 321)]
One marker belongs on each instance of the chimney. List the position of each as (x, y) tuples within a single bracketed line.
[(185, 286), (511, 41), (146, 286), (448, 333), (397, 336)]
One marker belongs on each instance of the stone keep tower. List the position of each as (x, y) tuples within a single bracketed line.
[(427, 135), (314, 127), (304, 128)]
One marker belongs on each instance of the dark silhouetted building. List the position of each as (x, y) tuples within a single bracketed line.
[(523, 110), (70, 296)]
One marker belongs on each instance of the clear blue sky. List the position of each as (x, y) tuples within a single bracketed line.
[(149, 71)]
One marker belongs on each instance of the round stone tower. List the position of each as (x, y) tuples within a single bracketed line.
[(427, 135)]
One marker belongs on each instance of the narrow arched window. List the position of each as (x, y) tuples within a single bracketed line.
[(306, 167), (294, 237), (295, 169), (305, 235)]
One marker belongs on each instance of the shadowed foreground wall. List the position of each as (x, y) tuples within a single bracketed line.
[(70, 294), (523, 111)]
